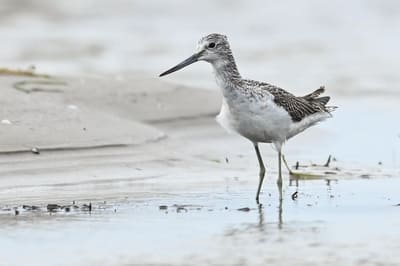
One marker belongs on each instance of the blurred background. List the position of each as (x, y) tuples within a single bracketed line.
[(350, 46)]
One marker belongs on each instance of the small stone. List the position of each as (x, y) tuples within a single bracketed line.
[(35, 151), (181, 209), (30, 207), (53, 207)]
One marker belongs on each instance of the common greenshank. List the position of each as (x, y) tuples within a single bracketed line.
[(258, 111)]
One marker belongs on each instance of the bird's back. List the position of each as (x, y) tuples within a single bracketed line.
[(305, 111), (268, 113), (298, 108)]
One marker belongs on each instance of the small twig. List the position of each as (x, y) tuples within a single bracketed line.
[(25, 73), (295, 195), (328, 161)]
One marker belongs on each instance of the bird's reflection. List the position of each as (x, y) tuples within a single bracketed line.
[(280, 206), (261, 217), (264, 225), (280, 222)]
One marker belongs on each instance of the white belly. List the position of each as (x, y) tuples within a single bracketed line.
[(257, 121)]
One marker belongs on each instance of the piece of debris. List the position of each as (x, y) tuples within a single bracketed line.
[(181, 209), (35, 151), (30, 207), (6, 122), (330, 173), (226, 160), (366, 176), (53, 207), (295, 195), (163, 207), (87, 207), (245, 209), (30, 72), (379, 163), (328, 161)]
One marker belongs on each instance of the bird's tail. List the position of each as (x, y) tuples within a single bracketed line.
[(314, 97), (322, 100)]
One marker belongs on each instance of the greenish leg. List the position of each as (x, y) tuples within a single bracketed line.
[(286, 164), (279, 182), (262, 171)]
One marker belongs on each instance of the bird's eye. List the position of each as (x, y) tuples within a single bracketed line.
[(211, 45)]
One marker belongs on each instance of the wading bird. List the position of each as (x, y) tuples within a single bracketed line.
[(258, 111)]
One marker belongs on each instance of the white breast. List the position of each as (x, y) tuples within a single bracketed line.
[(259, 120)]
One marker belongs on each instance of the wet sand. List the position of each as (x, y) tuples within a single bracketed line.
[(188, 198)]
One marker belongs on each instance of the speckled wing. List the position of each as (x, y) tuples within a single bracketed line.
[(298, 107)]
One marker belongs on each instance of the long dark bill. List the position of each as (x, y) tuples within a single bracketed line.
[(194, 58)]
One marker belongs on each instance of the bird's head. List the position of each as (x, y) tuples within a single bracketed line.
[(213, 48)]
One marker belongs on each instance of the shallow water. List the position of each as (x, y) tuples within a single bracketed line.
[(325, 224)]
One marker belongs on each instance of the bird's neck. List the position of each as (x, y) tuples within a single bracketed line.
[(226, 73)]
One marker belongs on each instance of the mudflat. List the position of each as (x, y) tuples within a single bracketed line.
[(135, 171)]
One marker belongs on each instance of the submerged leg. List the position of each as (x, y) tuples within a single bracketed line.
[(279, 182), (262, 170)]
